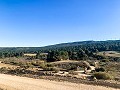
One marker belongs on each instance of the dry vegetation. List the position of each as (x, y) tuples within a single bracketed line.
[(63, 70), (29, 54), (110, 53)]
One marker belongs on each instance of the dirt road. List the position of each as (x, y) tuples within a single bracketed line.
[(23, 83)]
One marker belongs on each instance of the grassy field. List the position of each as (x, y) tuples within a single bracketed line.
[(29, 54), (110, 53)]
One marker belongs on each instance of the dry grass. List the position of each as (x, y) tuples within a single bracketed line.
[(110, 53), (64, 61), (7, 65), (29, 54)]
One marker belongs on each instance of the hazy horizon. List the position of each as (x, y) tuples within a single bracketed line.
[(37, 23), (55, 43)]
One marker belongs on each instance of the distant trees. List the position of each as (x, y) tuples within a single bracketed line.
[(57, 56), (80, 54), (1, 55), (41, 56), (73, 51), (10, 54), (64, 55)]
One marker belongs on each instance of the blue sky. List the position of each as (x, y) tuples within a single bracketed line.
[(44, 22)]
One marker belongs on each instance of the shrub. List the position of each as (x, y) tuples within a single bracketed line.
[(39, 64), (50, 65), (100, 69), (3, 69), (47, 68), (68, 65), (103, 75), (105, 60), (55, 69), (34, 63), (51, 69), (73, 72)]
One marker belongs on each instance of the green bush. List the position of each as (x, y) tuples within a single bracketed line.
[(100, 69), (103, 75)]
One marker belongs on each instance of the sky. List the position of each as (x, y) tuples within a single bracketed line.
[(36, 23)]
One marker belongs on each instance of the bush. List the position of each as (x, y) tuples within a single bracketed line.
[(3, 69), (42, 65), (100, 69), (55, 69), (69, 65), (50, 65), (105, 60), (103, 75), (73, 72), (51, 69)]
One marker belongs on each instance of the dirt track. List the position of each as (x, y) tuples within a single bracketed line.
[(23, 83)]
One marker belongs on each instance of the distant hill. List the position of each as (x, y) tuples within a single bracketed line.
[(84, 43), (110, 44), (74, 50)]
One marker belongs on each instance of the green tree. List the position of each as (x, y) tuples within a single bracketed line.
[(57, 56)]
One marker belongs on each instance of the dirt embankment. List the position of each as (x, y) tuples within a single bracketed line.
[(23, 83)]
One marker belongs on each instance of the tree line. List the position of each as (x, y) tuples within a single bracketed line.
[(73, 51)]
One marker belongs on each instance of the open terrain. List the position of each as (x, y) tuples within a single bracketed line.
[(93, 63), (66, 70), (110, 53), (22, 83)]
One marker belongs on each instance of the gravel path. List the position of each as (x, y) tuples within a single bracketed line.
[(23, 83)]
